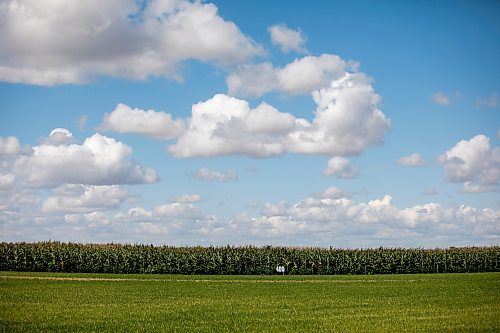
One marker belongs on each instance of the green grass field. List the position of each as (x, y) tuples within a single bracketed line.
[(45, 302)]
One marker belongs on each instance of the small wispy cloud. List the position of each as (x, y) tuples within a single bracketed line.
[(440, 98), (81, 122), (187, 198), (412, 160), (206, 174), (445, 99), (489, 102), (340, 167), (430, 191)]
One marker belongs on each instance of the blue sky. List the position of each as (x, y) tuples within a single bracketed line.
[(349, 124)]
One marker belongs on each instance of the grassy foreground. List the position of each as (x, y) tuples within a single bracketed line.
[(50, 302)]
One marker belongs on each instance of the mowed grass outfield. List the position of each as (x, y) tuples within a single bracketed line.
[(57, 302)]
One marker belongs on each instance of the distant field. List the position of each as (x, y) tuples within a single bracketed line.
[(51, 302), (242, 260)]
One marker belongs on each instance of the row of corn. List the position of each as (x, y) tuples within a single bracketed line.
[(247, 260)]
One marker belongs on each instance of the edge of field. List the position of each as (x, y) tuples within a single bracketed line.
[(229, 278)]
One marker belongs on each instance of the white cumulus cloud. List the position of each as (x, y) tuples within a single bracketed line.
[(278, 209), (334, 193), (331, 217), (48, 42), (73, 198), (302, 76), (59, 136), (473, 162), (95, 221), (287, 39), (178, 210), (100, 160), (137, 214), (159, 125), (341, 168), (347, 121), (226, 125)]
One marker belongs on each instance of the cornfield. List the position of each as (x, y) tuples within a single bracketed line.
[(248, 260)]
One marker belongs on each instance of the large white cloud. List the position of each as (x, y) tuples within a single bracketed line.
[(226, 125), (287, 39), (100, 160), (159, 125), (347, 119), (72, 198), (48, 42), (302, 76), (346, 122), (473, 162)]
